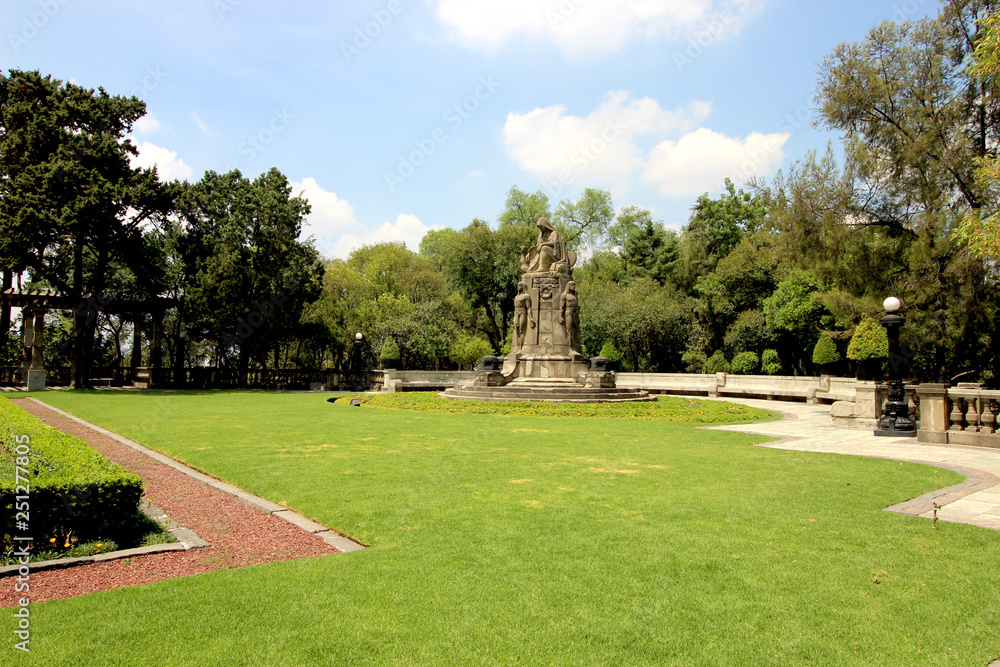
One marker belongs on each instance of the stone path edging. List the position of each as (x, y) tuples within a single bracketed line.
[(808, 428), (329, 536), (187, 539)]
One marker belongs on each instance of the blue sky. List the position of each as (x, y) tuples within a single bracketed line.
[(398, 116)]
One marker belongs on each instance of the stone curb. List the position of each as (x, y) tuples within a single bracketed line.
[(923, 505), (186, 538), (331, 537)]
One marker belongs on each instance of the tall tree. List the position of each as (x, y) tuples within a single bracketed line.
[(249, 274), (585, 222), (70, 203)]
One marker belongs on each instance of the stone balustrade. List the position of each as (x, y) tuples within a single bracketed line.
[(962, 415)]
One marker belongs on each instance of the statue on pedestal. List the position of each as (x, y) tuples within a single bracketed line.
[(523, 317), (569, 316)]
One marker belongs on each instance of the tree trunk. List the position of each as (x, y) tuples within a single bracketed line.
[(8, 282)]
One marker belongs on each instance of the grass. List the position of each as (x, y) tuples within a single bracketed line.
[(666, 408), (538, 540)]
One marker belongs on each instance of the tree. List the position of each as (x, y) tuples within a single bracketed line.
[(795, 310), (770, 363), (745, 363), (714, 229), (980, 230), (71, 205), (390, 353), (914, 116), (717, 363), (585, 222), (917, 123), (467, 350), (249, 275), (524, 209), (650, 250), (484, 265)]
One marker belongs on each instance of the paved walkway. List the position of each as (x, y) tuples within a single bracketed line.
[(808, 428)]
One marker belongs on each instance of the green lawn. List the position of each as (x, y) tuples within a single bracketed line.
[(534, 540)]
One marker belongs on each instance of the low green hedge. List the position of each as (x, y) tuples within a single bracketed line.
[(73, 493)]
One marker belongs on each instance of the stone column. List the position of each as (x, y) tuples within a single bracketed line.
[(934, 413), (36, 373), (156, 349), (136, 342), (27, 321)]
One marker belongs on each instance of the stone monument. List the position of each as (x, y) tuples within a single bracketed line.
[(546, 359)]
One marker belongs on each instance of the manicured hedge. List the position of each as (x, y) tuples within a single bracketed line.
[(72, 490)]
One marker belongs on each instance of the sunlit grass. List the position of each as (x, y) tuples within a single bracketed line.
[(534, 540)]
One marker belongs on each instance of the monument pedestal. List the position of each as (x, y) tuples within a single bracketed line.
[(546, 361), (36, 380)]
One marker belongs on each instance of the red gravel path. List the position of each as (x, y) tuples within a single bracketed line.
[(238, 534)]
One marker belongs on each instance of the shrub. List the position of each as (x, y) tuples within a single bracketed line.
[(868, 342), (610, 352), (389, 353), (694, 361), (717, 363), (825, 352), (770, 363), (73, 491), (745, 363), (467, 350)]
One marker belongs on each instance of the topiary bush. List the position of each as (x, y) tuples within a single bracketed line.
[(825, 353), (868, 346), (610, 352), (868, 342), (745, 363), (770, 363), (390, 353), (717, 363)]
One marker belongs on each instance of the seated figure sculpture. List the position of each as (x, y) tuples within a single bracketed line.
[(549, 253)]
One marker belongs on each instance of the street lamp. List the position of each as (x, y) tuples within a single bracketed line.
[(896, 420), (357, 364)]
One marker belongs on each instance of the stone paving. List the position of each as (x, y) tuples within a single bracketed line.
[(808, 428)]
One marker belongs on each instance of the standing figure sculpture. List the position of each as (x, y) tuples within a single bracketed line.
[(569, 316), (523, 317)]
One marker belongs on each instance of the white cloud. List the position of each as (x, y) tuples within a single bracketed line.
[(148, 124), (582, 28), (557, 146), (699, 161), (407, 229), (333, 223), (168, 166), (201, 125)]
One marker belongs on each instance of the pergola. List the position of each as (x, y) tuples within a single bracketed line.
[(35, 304)]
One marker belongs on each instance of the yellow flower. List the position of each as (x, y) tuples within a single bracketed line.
[(52, 540)]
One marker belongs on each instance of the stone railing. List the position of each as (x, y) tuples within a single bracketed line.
[(810, 389), (424, 380), (962, 415), (824, 389)]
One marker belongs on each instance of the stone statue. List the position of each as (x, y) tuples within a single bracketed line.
[(549, 252), (569, 316), (523, 317)]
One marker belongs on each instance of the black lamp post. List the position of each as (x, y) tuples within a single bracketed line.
[(896, 420), (357, 364)]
